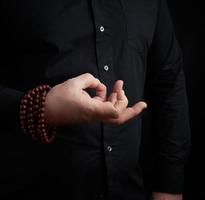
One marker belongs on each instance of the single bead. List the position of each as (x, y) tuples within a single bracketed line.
[(33, 92), (42, 121), (42, 115), (25, 101)]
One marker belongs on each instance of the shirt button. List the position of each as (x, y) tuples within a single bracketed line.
[(109, 148), (106, 68), (102, 29)]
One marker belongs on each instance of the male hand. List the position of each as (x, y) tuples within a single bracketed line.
[(166, 196), (69, 103)]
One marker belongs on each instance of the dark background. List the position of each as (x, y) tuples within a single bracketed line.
[(188, 19)]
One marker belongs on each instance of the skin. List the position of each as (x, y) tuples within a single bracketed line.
[(69, 103), (166, 196)]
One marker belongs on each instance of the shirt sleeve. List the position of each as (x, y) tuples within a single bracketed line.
[(168, 105), (9, 97), (9, 107)]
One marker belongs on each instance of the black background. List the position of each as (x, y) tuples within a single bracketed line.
[(188, 19)]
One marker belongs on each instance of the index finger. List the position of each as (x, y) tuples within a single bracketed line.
[(87, 80)]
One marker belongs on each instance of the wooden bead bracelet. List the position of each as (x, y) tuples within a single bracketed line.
[(32, 115)]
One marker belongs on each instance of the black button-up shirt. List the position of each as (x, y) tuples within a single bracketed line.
[(52, 41)]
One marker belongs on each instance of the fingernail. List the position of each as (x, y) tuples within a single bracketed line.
[(145, 105), (122, 83)]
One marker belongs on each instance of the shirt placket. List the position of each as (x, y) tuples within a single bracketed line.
[(104, 55)]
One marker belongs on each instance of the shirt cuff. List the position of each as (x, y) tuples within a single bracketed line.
[(168, 178)]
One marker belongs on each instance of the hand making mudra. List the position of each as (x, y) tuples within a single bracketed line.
[(69, 103)]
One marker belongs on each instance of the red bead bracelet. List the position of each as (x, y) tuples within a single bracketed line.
[(32, 115)]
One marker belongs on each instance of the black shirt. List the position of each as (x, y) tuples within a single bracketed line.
[(52, 41)]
